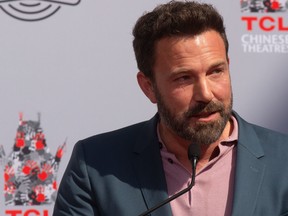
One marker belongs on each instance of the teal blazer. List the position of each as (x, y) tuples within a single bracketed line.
[(120, 173)]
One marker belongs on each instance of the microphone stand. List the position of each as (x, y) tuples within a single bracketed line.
[(193, 155)]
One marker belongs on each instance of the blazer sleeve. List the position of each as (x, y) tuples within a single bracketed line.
[(74, 195)]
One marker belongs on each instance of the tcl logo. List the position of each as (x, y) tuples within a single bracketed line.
[(30, 212), (265, 23)]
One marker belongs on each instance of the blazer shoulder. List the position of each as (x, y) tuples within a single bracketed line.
[(122, 140), (261, 141), (120, 135), (266, 134)]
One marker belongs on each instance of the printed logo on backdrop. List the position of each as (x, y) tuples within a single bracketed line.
[(30, 170), (34, 10), (266, 26)]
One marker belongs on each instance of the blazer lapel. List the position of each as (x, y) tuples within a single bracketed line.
[(149, 170), (249, 170)]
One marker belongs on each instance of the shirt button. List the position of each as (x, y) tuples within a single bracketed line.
[(170, 160)]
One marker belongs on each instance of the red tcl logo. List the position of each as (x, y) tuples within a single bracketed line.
[(30, 212), (265, 23)]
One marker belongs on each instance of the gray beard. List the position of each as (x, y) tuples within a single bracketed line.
[(201, 133)]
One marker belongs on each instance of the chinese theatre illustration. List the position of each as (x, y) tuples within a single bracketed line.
[(30, 170)]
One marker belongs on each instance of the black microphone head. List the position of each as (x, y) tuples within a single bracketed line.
[(194, 151)]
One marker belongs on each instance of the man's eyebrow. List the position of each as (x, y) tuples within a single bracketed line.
[(218, 64), (180, 70)]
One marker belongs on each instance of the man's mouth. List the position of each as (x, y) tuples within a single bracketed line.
[(206, 116)]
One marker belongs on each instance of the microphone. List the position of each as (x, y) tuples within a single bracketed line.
[(194, 153)]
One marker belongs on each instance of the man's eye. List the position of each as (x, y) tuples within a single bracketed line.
[(217, 71), (183, 78)]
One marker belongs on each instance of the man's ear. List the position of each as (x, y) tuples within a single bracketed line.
[(146, 86)]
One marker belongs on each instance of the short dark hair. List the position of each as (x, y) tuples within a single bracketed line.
[(173, 19)]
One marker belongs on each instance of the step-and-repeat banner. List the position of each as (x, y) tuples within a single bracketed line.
[(67, 71)]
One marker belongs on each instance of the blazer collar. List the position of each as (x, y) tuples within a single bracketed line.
[(248, 138), (148, 135), (149, 169), (249, 170)]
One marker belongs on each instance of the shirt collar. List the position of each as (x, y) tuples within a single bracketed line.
[(229, 140)]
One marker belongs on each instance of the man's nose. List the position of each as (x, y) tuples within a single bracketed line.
[(202, 91)]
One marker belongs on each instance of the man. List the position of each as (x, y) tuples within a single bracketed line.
[(182, 54)]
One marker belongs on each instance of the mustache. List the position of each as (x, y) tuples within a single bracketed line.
[(205, 108)]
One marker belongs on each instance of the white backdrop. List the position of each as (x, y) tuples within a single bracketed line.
[(77, 68)]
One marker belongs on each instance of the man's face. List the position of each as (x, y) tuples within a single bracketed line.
[(192, 86)]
